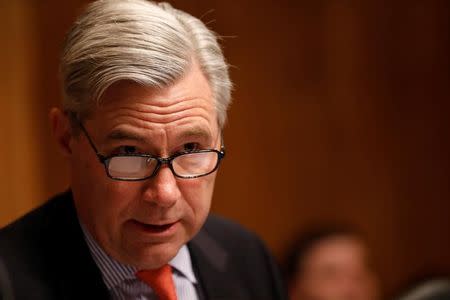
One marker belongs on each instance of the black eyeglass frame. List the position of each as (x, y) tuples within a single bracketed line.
[(160, 160)]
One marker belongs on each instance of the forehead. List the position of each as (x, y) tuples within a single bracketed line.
[(193, 84), (187, 106), (337, 250)]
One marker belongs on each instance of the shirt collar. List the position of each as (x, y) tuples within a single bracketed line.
[(183, 264), (114, 272)]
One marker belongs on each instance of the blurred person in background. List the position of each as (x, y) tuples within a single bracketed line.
[(330, 264), (431, 288), (146, 90)]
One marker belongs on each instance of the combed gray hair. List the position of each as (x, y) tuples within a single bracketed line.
[(149, 43)]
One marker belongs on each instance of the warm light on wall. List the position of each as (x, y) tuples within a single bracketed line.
[(20, 183)]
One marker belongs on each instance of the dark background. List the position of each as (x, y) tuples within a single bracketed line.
[(340, 114)]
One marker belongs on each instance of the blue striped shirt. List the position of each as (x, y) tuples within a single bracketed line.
[(122, 283)]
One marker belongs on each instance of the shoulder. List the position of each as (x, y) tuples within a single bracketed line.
[(28, 236), (226, 228), (233, 236), (239, 251), (35, 249), (31, 226), (236, 240)]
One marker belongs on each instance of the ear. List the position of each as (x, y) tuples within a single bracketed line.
[(61, 129)]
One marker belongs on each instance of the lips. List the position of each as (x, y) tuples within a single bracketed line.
[(154, 228)]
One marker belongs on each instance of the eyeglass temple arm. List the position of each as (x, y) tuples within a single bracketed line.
[(100, 157)]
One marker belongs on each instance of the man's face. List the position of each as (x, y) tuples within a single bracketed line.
[(335, 269), (144, 223)]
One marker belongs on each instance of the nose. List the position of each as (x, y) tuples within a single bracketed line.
[(162, 189)]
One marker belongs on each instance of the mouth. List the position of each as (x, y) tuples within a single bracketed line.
[(154, 228)]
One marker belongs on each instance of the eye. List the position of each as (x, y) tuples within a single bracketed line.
[(126, 150), (190, 147)]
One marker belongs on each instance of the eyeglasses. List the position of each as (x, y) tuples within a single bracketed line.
[(135, 167)]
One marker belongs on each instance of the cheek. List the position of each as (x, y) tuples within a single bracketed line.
[(101, 202), (198, 195), (122, 200)]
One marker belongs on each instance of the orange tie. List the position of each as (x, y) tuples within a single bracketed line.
[(161, 281)]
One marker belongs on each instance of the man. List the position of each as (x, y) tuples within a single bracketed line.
[(146, 90), (330, 264)]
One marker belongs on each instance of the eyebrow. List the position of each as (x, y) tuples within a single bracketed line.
[(195, 132), (120, 134)]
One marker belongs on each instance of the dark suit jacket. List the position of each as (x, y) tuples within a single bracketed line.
[(47, 258), (5, 284)]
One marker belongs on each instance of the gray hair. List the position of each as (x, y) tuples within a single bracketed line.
[(149, 43)]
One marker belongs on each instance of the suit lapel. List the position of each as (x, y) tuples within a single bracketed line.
[(78, 275), (213, 269)]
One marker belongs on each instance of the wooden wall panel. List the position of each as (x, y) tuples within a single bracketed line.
[(20, 180)]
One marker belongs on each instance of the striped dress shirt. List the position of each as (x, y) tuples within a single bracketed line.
[(122, 283)]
